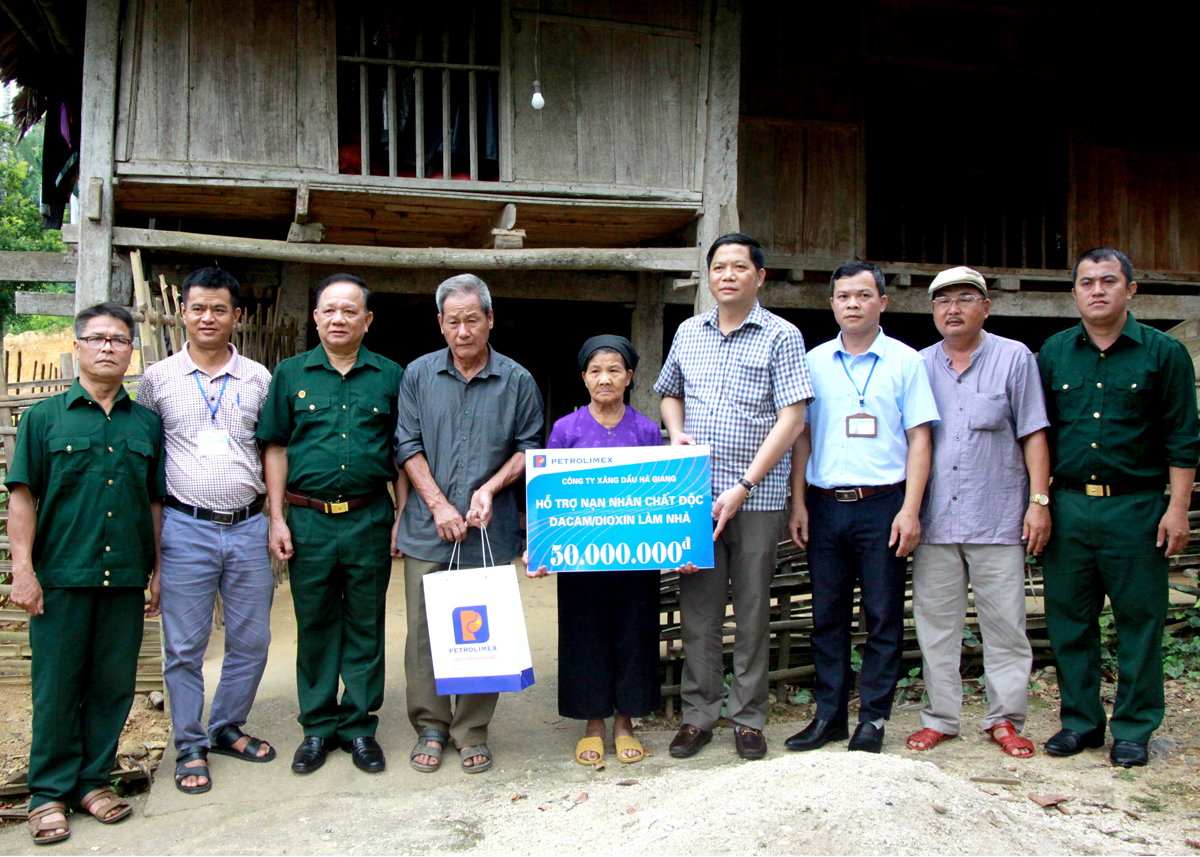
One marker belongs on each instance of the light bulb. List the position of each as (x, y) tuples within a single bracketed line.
[(537, 101)]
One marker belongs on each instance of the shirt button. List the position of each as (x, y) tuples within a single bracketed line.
[(110, 482), (1101, 356), (1093, 446), (1098, 384), (110, 513), (343, 437), (110, 449), (343, 407), (959, 381), (1066, 386), (955, 467), (1096, 415), (68, 447), (106, 583), (953, 498), (343, 467), (106, 574), (376, 410), (1133, 387), (312, 407), (107, 548), (1093, 475)]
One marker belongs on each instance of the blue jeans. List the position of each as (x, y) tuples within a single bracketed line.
[(200, 559)]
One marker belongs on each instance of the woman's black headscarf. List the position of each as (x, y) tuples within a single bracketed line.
[(619, 344)]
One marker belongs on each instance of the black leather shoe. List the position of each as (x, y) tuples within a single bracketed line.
[(1068, 742), (867, 739), (1128, 754), (750, 743), (311, 753), (817, 734), (688, 741), (367, 754)]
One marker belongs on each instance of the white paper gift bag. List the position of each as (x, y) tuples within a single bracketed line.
[(477, 632)]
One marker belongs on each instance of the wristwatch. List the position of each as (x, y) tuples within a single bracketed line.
[(747, 484), (1040, 499)]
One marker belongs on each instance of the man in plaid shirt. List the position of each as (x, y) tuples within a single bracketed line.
[(737, 380)]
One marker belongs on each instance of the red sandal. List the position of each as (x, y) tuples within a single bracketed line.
[(1012, 741), (927, 739)]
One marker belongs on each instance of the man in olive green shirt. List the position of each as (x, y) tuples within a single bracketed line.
[(1122, 408), (328, 423), (87, 481)]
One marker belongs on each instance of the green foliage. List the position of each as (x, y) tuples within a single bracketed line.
[(855, 659), (21, 220), (969, 638), (803, 697), (1181, 653), (913, 677)]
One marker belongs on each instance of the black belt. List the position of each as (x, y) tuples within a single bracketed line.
[(1093, 489), (334, 508), (852, 494), (227, 518)]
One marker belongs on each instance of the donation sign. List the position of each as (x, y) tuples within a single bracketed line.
[(620, 508)]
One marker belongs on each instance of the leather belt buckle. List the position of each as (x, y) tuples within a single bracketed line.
[(337, 508), (1096, 490), (847, 495), (227, 518)]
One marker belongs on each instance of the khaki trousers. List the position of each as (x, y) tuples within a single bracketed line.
[(468, 718), (997, 577)]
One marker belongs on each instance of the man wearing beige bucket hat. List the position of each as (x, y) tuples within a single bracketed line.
[(980, 514)]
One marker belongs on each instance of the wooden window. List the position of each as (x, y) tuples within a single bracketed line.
[(419, 90)]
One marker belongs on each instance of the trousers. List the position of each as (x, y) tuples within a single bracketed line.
[(997, 577), (848, 544), (85, 649), (745, 562), (1104, 546), (340, 573), (200, 559)]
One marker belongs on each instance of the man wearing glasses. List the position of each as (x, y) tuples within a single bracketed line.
[(980, 514), (214, 535), (85, 483)]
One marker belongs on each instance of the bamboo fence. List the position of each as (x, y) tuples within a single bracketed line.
[(791, 662)]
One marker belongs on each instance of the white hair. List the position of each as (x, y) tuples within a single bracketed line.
[(464, 284)]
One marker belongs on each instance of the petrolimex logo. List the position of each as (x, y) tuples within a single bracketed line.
[(539, 461), (471, 625)]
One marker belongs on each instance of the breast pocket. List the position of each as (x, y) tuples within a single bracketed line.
[(245, 422), (374, 415), (989, 412), (749, 385), (1132, 396), (1070, 396), (138, 460), (69, 456)]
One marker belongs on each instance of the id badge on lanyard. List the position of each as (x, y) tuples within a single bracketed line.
[(861, 424), (212, 442)]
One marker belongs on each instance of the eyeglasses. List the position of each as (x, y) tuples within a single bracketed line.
[(962, 301), (118, 343)]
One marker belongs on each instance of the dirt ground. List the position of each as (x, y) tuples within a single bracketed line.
[(538, 800)]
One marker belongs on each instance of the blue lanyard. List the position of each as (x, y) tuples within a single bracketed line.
[(862, 394), (212, 409)]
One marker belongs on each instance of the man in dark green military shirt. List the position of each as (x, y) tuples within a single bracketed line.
[(328, 424), (87, 481), (1122, 408)]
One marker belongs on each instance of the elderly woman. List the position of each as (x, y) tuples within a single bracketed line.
[(608, 628)]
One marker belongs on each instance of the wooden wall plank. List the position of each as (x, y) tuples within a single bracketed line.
[(545, 144), (161, 115), (789, 191), (756, 181), (316, 114), (595, 110)]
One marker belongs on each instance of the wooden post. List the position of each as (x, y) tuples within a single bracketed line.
[(720, 139), (648, 341), (100, 46)]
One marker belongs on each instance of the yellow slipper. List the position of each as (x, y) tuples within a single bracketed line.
[(596, 745), (628, 742)]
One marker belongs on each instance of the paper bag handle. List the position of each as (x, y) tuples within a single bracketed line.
[(489, 559)]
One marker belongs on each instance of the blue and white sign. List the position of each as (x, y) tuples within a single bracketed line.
[(642, 507)]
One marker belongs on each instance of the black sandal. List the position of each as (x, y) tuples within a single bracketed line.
[(225, 738), (182, 771)]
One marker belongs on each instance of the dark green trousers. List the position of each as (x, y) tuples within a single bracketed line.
[(1105, 546), (85, 650), (339, 575)]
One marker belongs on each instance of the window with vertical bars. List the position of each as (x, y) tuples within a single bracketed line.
[(418, 90)]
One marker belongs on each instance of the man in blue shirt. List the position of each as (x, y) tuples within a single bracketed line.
[(858, 474)]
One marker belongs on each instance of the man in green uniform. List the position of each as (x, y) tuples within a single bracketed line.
[(328, 423), (86, 485), (1122, 408)]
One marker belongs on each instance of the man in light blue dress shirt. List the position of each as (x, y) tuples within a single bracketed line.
[(858, 474)]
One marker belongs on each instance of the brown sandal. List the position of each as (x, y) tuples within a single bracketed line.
[(101, 803), (40, 830), (1012, 741)]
